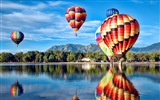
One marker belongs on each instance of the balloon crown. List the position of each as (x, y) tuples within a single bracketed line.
[(112, 11)]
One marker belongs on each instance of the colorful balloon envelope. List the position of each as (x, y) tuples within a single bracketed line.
[(16, 89), (102, 44), (75, 16), (119, 33), (17, 37)]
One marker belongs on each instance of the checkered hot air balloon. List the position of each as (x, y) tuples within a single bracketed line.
[(120, 32), (75, 16), (16, 89), (17, 37)]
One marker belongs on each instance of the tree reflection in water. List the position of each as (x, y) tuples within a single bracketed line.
[(87, 71)]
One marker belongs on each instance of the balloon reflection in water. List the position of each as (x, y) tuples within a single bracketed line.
[(116, 86), (16, 89), (103, 82), (75, 97)]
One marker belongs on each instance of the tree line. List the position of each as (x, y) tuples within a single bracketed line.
[(60, 56)]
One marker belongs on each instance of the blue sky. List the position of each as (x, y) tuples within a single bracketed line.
[(44, 25)]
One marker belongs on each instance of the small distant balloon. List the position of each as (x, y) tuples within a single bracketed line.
[(75, 16), (112, 11), (17, 37)]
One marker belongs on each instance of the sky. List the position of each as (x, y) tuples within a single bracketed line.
[(44, 24)]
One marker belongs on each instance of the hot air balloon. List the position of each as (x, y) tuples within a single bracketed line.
[(112, 11), (75, 16), (120, 32), (16, 89), (102, 44), (17, 37)]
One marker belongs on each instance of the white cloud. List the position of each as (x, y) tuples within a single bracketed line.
[(5, 50), (4, 36), (24, 50), (58, 3), (149, 30), (9, 5), (38, 6), (27, 18), (145, 1), (93, 23), (145, 33), (89, 26), (150, 26)]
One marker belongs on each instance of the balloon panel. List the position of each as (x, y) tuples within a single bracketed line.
[(101, 43)]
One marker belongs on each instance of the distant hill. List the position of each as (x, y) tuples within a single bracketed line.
[(76, 48), (152, 48), (94, 48)]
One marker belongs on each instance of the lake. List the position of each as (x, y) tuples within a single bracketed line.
[(60, 82)]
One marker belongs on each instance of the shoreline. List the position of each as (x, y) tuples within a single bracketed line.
[(5, 63)]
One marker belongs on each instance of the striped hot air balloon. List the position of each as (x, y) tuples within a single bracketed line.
[(75, 16), (16, 89), (102, 44), (120, 32), (17, 37)]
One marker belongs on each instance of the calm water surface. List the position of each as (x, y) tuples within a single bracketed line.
[(59, 82)]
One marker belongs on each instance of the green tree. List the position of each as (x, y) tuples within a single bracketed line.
[(38, 57), (80, 57), (152, 56), (91, 55), (7, 57), (51, 58), (29, 56), (130, 56), (0, 57), (71, 57), (18, 56), (46, 55), (58, 55)]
